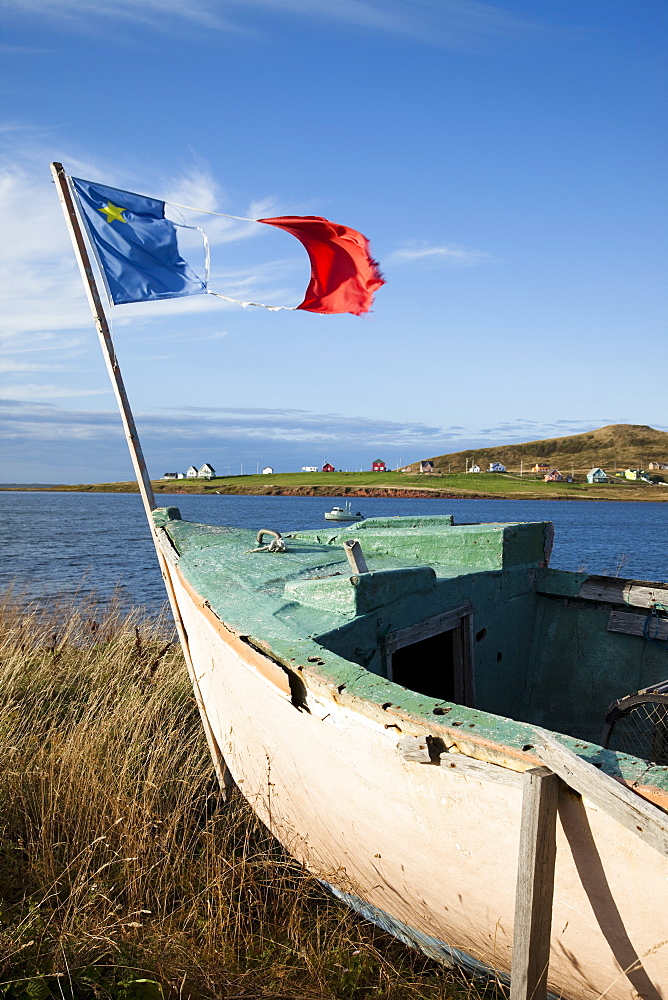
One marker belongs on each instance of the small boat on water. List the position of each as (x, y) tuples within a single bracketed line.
[(344, 513), (468, 747)]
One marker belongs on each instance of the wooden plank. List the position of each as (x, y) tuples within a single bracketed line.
[(426, 750), (613, 590), (355, 556), (535, 885), (631, 624), (427, 628), (631, 810), (468, 767)]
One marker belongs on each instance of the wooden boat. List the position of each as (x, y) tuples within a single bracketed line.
[(379, 720), (421, 731), (344, 513)]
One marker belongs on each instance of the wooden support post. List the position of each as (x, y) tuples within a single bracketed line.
[(535, 885), (355, 556)]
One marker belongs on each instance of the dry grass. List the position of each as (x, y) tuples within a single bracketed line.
[(121, 872)]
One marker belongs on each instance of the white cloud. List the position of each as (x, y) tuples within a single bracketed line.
[(27, 366), (448, 254), (454, 24), (34, 391), (41, 294)]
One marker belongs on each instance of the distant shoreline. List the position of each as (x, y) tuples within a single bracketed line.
[(506, 489)]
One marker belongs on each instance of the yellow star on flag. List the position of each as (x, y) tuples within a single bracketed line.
[(113, 212)]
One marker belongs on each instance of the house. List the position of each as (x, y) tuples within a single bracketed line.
[(496, 467), (474, 468), (553, 476), (637, 475), (191, 473), (657, 466), (379, 466), (309, 468), (170, 475), (597, 476), (541, 467), (426, 466), (206, 472), (267, 471), (328, 467)]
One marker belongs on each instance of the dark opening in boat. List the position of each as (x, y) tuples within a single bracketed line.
[(427, 666), (433, 657)]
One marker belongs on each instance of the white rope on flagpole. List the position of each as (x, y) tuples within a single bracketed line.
[(204, 211), (207, 258), (245, 305)]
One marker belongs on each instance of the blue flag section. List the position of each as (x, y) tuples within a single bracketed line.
[(135, 245)]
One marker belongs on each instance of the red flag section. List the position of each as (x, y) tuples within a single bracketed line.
[(344, 276)]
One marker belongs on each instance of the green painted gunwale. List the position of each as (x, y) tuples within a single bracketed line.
[(251, 592)]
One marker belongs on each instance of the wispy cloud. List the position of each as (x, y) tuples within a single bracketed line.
[(35, 391), (40, 287), (444, 254), (457, 24), (207, 424)]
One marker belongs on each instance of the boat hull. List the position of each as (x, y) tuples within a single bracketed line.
[(433, 849)]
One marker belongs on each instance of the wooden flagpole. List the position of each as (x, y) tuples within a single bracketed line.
[(102, 327), (132, 438)]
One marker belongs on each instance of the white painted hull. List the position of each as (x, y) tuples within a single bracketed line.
[(434, 849)]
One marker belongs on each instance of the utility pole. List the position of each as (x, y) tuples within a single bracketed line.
[(521, 468)]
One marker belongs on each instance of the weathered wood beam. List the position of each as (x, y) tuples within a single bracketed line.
[(429, 750), (535, 885), (633, 812), (614, 590), (631, 624), (355, 556)]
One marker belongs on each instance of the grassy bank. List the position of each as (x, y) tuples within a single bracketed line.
[(394, 484), (122, 874)]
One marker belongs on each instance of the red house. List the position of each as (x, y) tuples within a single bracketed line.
[(328, 467), (378, 466)]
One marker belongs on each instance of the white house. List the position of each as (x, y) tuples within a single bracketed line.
[(474, 468), (206, 472), (597, 476), (170, 475), (309, 468), (267, 471), (496, 467), (191, 473)]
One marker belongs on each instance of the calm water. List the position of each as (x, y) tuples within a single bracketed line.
[(60, 544)]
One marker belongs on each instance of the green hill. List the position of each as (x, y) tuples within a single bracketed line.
[(617, 445)]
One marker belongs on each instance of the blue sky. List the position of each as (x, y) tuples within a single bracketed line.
[(507, 161)]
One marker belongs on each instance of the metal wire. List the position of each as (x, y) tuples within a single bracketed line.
[(641, 729)]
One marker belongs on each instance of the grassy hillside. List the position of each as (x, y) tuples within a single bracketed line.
[(391, 484), (620, 445)]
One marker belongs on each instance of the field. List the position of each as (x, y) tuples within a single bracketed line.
[(122, 872), (360, 484)]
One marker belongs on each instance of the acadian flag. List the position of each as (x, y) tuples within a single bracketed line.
[(344, 276), (137, 251), (135, 245)]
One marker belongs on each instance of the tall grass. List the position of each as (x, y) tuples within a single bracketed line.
[(122, 874)]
